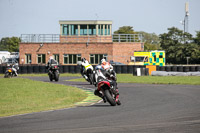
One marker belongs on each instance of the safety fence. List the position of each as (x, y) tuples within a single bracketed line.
[(118, 69)]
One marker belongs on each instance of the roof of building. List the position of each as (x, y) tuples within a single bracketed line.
[(85, 22)]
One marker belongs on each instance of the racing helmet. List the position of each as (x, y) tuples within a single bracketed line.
[(83, 59), (103, 61)]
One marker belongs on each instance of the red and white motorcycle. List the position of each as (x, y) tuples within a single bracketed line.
[(107, 87)]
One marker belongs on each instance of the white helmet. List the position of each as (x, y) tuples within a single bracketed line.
[(103, 60)]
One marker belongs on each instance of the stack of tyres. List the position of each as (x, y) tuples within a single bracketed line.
[(129, 69), (180, 68), (36, 69), (192, 68), (124, 68), (186, 69), (29, 69), (42, 69), (174, 68), (65, 69), (71, 69), (61, 69)]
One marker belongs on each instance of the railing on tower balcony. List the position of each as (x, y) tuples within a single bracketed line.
[(57, 38)]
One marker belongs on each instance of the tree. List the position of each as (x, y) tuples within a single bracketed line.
[(151, 41), (179, 45), (197, 38), (10, 44), (125, 30)]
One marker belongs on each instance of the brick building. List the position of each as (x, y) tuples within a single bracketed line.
[(77, 39)]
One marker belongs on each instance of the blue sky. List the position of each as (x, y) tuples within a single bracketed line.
[(42, 16)]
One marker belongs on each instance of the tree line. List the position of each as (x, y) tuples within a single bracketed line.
[(179, 47)]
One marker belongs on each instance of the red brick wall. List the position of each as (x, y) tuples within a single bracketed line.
[(119, 52), (124, 50), (63, 48)]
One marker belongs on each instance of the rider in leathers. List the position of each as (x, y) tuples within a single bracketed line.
[(110, 75), (84, 67)]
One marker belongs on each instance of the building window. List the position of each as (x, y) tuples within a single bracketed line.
[(83, 29), (108, 29), (73, 29), (72, 58), (65, 29), (56, 57), (28, 58), (41, 58), (96, 58), (100, 29), (92, 30)]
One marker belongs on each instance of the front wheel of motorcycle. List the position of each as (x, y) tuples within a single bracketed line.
[(56, 76), (109, 98), (6, 75), (50, 77)]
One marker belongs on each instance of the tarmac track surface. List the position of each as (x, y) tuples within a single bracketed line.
[(145, 108)]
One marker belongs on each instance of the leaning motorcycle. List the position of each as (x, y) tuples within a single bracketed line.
[(9, 73), (53, 73), (108, 93), (107, 89), (89, 74)]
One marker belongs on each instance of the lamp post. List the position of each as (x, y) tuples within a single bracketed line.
[(188, 60)]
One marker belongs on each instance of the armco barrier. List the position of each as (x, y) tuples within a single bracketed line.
[(118, 69)]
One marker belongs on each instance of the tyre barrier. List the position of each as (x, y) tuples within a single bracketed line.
[(167, 68), (36, 69), (197, 68), (124, 69), (23, 69), (117, 68), (30, 69), (60, 69), (174, 68), (180, 69), (42, 69), (129, 69), (192, 68), (186, 69), (65, 69)]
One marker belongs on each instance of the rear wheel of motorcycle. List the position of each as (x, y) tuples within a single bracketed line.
[(56, 76), (109, 98), (91, 79)]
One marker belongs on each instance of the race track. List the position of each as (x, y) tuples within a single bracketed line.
[(145, 108)]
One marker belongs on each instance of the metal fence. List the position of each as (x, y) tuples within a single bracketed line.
[(55, 38), (40, 38)]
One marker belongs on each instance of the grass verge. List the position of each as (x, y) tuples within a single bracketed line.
[(19, 96), (129, 78)]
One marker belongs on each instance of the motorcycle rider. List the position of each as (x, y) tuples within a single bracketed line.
[(110, 76), (14, 67), (85, 65), (51, 62), (108, 67)]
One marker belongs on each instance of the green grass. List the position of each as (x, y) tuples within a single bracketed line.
[(129, 78), (19, 96)]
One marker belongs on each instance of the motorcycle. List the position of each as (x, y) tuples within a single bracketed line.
[(9, 73), (53, 73), (89, 74), (106, 87)]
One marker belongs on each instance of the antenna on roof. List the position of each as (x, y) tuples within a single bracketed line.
[(186, 19)]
